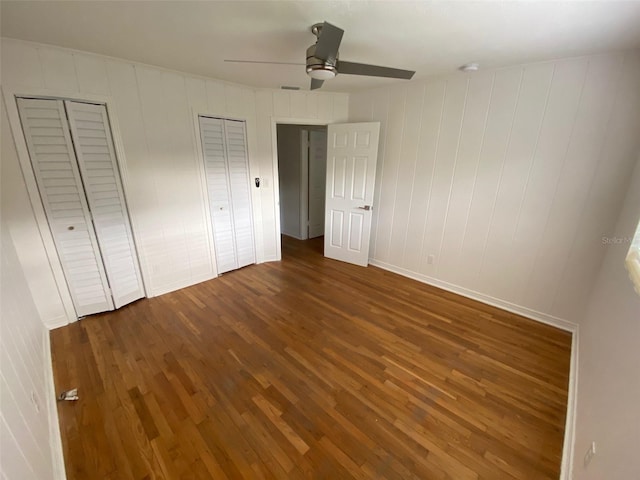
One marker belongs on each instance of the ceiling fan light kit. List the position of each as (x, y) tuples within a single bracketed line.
[(318, 68), (322, 72)]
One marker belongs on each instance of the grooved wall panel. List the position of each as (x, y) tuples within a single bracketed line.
[(155, 110), (509, 178), (406, 170), (25, 440), (609, 359), (390, 166)]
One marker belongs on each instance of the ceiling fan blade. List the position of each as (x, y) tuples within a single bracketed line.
[(315, 83), (353, 68), (260, 61), (328, 42)]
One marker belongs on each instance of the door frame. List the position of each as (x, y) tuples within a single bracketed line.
[(306, 172), (10, 100), (304, 183), (276, 183)]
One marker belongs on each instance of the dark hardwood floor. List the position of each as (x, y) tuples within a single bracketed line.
[(311, 368)]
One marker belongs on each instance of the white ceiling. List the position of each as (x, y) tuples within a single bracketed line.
[(431, 37)]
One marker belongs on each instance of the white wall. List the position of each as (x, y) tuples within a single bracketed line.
[(154, 109), (508, 178), (608, 410), (27, 438), (290, 178)]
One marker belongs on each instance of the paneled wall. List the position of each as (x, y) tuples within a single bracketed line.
[(608, 380), (502, 184), (155, 111), (25, 438)]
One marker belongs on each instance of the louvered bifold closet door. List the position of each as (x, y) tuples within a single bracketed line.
[(238, 162), (99, 169), (47, 134), (219, 192)]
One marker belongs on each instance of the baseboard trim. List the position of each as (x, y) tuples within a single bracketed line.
[(297, 236), (55, 437), (481, 297), (568, 445), (57, 322), (156, 292)]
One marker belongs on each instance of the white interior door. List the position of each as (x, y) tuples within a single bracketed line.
[(352, 153), (317, 181), (54, 164), (99, 170)]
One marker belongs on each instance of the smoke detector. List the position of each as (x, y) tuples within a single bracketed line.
[(469, 67)]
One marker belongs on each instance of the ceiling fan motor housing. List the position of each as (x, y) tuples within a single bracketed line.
[(318, 68)]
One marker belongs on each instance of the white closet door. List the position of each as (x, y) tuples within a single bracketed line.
[(96, 156), (218, 189), (45, 127), (238, 162)]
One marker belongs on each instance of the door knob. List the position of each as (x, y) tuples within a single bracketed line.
[(366, 207), (71, 227)]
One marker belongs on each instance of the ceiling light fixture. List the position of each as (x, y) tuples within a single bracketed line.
[(321, 72), (469, 67)]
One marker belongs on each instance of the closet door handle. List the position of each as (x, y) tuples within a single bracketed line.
[(366, 207), (71, 227)]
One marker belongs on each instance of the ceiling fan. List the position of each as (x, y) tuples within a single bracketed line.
[(323, 63)]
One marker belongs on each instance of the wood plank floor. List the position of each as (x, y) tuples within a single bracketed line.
[(311, 368)]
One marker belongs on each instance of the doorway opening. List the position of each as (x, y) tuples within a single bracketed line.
[(302, 157)]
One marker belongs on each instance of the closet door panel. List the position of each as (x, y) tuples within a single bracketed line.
[(238, 162), (99, 168), (47, 135), (218, 190)]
